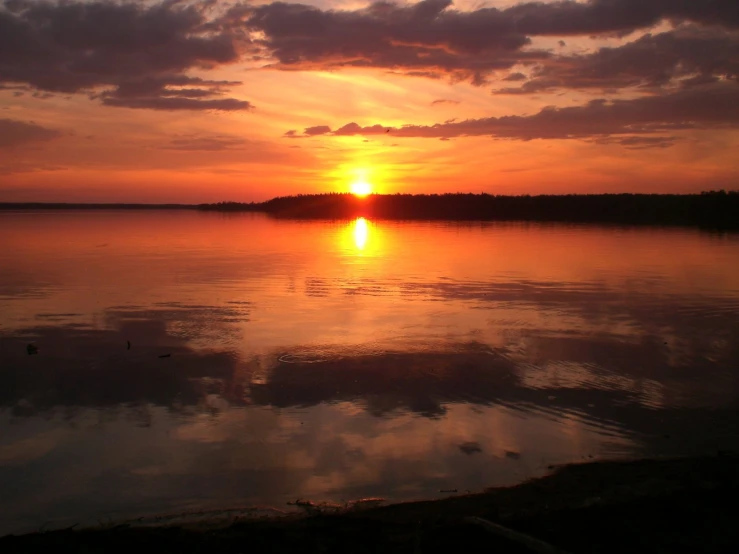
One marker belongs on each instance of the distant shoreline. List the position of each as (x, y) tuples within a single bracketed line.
[(712, 209), (14, 206)]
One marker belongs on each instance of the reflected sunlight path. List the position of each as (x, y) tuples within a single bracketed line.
[(361, 233)]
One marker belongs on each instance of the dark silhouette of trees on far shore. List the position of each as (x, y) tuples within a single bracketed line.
[(709, 209), (714, 209)]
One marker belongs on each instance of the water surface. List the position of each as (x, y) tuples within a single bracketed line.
[(340, 360)]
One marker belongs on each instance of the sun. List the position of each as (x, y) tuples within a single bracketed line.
[(361, 188)]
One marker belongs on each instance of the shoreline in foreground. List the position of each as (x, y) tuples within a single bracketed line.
[(655, 506)]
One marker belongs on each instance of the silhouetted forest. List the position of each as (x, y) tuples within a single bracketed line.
[(711, 209), (714, 209)]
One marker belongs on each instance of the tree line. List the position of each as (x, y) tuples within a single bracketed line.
[(716, 209)]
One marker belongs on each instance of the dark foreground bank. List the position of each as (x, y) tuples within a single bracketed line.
[(654, 506)]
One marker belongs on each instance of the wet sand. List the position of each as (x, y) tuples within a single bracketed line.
[(655, 506)]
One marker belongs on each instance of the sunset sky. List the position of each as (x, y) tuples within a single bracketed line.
[(203, 101)]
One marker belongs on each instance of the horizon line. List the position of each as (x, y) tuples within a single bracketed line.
[(307, 195)]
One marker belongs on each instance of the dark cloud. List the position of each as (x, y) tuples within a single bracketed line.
[(444, 101), (568, 17), (318, 130), (174, 103), (16, 133), (353, 129), (477, 78), (177, 92), (128, 47), (209, 143), (13, 166), (515, 77), (422, 39), (639, 143), (692, 55), (308, 132), (431, 39), (699, 108), (142, 51)]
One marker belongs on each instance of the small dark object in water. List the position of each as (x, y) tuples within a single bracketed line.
[(470, 448), (32, 349), (448, 490), (128, 345), (165, 355)]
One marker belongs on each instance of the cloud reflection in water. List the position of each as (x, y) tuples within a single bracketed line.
[(296, 372)]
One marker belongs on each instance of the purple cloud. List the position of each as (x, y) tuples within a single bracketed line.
[(142, 55), (706, 108), (692, 55), (318, 130), (16, 133), (423, 39), (210, 143), (431, 39), (567, 17), (515, 77), (639, 143), (74, 46)]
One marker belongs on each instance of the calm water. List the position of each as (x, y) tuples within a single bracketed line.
[(340, 360)]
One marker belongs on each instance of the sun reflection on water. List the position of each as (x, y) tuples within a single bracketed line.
[(361, 241), (361, 233)]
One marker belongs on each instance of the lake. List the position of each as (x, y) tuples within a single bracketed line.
[(193, 362)]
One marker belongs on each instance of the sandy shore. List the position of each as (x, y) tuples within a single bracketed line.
[(655, 506)]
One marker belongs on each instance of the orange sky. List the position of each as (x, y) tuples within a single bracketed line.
[(192, 102)]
